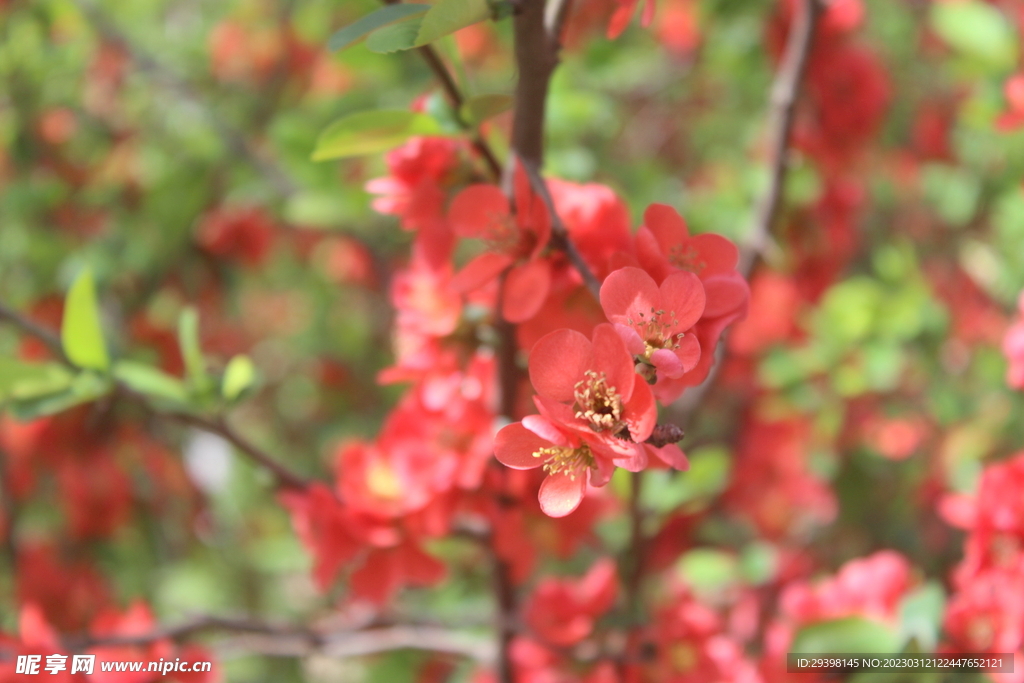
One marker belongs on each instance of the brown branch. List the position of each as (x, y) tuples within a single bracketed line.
[(291, 641), (219, 426), (782, 103), (536, 53), (49, 338)]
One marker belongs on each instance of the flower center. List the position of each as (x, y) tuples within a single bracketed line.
[(655, 330), (687, 258), (565, 460), (598, 403)]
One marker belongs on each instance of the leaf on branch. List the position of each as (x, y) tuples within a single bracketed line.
[(976, 29), (239, 376), (400, 36), (86, 387), (369, 132), (478, 109), (21, 380), (192, 352), (81, 333), (448, 16), (443, 18), (849, 634), (372, 22), (150, 381)]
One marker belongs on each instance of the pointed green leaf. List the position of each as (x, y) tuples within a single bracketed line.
[(85, 387), (482, 107), (849, 635), (921, 614), (21, 380), (369, 132), (977, 29), (399, 36), (81, 334), (448, 16), (239, 375), (150, 381), (373, 21), (191, 351)]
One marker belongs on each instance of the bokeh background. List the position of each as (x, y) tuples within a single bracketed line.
[(166, 145)]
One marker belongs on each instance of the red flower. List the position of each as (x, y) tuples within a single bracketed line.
[(536, 442), (596, 413), (562, 612), (483, 211), (624, 12), (652, 321), (244, 234)]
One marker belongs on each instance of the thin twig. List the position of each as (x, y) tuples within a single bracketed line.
[(49, 338), (218, 425), (456, 100), (559, 233), (782, 110), (782, 103), (291, 641)]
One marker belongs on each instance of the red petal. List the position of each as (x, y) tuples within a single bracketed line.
[(545, 429), (648, 14), (421, 569), (650, 256), (515, 445), (560, 494), (667, 363), (718, 254), (598, 587), (641, 412), (619, 21), (628, 295), (612, 358), (557, 361), (725, 294), (480, 271), (475, 211), (671, 455), (526, 288), (688, 352), (378, 578), (634, 344), (667, 226), (683, 294)]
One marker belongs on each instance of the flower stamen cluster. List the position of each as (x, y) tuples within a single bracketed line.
[(598, 403), (566, 460)]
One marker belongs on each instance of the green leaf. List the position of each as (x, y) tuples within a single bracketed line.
[(368, 132), (150, 381), (708, 570), (847, 635), (80, 332), (482, 107), (84, 388), (21, 380), (400, 36), (373, 21), (239, 375), (448, 16), (191, 351), (976, 29), (921, 615)]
